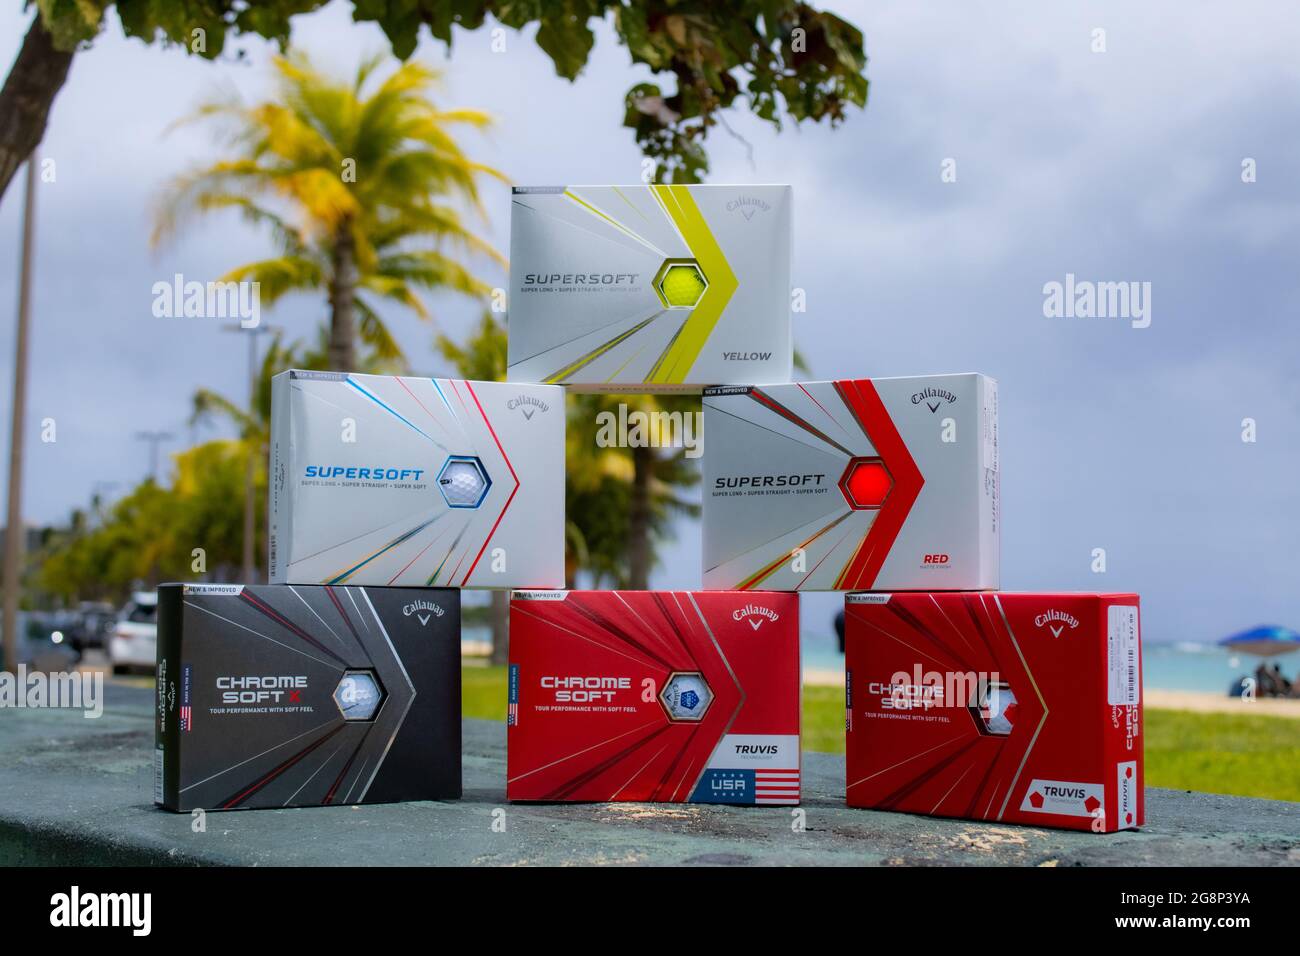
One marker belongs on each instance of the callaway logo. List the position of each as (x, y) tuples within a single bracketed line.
[(423, 610), (1056, 622), (747, 206), (933, 398), (528, 405), (166, 701), (755, 615)]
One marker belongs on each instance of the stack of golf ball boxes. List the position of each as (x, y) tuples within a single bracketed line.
[(960, 700), (339, 681)]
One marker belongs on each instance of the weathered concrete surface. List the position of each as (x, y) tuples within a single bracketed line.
[(78, 792)]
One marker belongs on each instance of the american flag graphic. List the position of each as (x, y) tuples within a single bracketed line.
[(187, 714), (776, 786), (848, 700), (512, 711)]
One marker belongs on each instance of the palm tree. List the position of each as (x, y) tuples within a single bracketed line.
[(619, 500), (359, 184), (254, 423), (623, 500), (482, 357)]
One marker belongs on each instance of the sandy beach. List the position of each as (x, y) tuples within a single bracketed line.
[(1199, 701), (1206, 703), (823, 677)]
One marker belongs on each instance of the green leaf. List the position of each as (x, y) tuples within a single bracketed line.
[(568, 41), (71, 22)]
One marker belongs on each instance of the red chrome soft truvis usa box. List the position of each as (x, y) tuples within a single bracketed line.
[(1021, 708), (667, 696)]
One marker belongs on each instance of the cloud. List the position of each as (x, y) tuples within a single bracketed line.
[(1123, 165)]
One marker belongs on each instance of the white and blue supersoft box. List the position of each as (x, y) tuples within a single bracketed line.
[(399, 480)]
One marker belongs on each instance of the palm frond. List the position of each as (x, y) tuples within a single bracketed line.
[(208, 404), (376, 335), (276, 277), (286, 166), (440, 223), (396, 289), (431, 269), (482, 356), (365, 69), (190, 194)]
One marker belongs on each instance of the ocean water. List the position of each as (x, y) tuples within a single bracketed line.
[(1184, 666)]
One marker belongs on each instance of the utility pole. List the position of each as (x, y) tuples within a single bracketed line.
[(99, 499), (250, 469), (154, 439), (14, 530)]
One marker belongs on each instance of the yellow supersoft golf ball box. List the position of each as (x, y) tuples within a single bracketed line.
[(650, 288)]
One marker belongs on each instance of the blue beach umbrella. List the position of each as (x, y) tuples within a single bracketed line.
[(1263, 641)]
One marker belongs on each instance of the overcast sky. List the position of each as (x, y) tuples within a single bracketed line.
[(1123, 165)]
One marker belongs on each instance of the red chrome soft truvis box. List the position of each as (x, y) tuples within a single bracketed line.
[(1021, 708), (668, 696)]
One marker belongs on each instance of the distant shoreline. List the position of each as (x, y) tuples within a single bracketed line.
[(1202, 702)]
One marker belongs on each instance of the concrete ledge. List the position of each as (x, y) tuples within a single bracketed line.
[(78, 792)]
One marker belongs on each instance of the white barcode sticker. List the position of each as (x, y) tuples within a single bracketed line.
[(158, 775), (1124, 683), (991, 425)]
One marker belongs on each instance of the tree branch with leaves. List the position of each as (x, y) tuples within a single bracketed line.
[(778, 59)]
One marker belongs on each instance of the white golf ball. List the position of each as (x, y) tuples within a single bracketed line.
[(358, 696), (1002, 709), (462, 484), (686, 697)]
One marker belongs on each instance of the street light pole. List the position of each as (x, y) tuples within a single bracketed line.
[(98, 498), (250, 529), (14, 531), (154, 439), (250, 466)]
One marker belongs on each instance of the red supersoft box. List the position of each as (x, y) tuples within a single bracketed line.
[(669, 696), (1021, 708)]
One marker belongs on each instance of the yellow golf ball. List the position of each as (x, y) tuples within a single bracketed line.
[(682, 285)]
